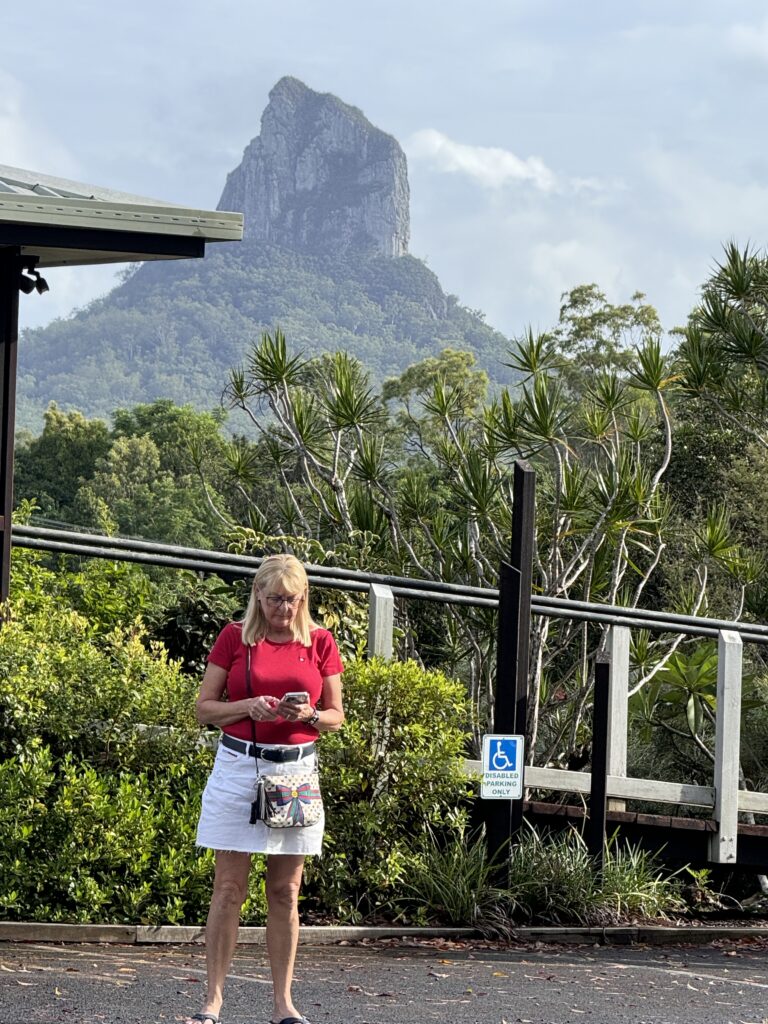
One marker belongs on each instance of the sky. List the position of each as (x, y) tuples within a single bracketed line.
[(550, 143)]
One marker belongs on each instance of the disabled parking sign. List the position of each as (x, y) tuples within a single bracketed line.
[(502, 768)]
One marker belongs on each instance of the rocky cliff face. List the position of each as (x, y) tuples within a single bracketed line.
[(320, 178)]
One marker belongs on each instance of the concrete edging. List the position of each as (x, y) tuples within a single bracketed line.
[(653, 935), (32, 931), (661, 935)]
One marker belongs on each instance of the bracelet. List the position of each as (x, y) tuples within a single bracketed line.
[(314, 718)]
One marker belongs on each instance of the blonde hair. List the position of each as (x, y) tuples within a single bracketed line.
[(288, 572)]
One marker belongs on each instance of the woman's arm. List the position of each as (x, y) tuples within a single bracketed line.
[(212, 710), (330, 718), (331, 715)]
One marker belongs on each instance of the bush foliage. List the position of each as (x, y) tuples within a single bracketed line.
[(393, 772), (103, 768)]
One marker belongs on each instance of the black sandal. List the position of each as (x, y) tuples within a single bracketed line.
[(203, 1017)]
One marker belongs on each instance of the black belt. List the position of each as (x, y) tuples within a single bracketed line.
[(267, 753)]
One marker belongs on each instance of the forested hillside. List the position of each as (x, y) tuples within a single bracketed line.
[(325, 198), (174, 330)]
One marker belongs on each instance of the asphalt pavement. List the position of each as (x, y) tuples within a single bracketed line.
[(395, 982)]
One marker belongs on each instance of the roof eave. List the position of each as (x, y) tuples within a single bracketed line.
[(218, 226)]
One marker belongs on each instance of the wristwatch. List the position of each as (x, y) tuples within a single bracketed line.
[(315, 717)]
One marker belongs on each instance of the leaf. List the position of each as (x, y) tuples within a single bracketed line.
[(694, 714)]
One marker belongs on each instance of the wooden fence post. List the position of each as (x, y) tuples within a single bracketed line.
[(599, 774), (722, 848), (618, 712), (381, 620)]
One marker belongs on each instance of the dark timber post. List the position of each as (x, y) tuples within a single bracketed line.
[(513, 647), (599, 785), (10, 267), (523, 542), (498, 813)]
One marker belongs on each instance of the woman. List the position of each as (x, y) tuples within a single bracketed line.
[(288, 653)]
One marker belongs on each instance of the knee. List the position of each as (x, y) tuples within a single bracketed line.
[(229, 892), (283, 895)]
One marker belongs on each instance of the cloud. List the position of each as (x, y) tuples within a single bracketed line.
[(489, 166), (558, 266), (709, 207), (750, 40), (22, 144)]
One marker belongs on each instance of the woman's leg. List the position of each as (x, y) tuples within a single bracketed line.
[(230, 888), (283, 884)]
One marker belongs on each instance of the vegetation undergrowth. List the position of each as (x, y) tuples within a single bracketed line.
[(549, 880), (102, 766)]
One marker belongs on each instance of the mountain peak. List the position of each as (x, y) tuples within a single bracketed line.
[(320, 178)]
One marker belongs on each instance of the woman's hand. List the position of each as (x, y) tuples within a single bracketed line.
[(292, 712), (263, 709)]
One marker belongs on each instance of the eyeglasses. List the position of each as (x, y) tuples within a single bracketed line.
[(276, 601)]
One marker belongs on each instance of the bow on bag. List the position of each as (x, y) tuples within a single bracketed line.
[(292, 798)]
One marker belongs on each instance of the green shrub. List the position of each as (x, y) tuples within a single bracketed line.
[(102, 770), (394, 771), (454, 882), (633, 885), (551, 880), (554, 880), (85, 845)]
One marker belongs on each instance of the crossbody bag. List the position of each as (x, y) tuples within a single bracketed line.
[(283, 801)]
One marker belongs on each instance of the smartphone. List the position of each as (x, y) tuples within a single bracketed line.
[(299, 697)]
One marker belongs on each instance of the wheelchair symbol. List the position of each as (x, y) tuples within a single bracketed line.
[(500, 761)]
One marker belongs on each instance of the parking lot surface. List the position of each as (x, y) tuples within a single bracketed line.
[(395, 983)]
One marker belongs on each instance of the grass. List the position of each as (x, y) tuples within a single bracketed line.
[(552, 880)]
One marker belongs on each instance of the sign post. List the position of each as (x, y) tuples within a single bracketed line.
[(503, 767)]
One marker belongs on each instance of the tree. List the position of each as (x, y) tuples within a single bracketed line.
[(442, 509), (51, 467), (596, 336), (724, 352), (143, 477), (144, 499), (176, 430)]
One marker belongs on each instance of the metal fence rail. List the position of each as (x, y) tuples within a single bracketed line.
[(233, 565)]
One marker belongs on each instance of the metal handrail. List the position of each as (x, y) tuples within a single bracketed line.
[(337, 578)]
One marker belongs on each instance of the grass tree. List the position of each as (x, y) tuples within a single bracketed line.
[(724, 352), (419, 478)]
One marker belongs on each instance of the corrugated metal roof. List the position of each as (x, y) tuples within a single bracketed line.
[(64, 222)]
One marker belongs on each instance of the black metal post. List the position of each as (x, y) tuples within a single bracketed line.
[(503, 819), (521, 557), (599, 784), (507, 648), (9, 336), (498, 825)]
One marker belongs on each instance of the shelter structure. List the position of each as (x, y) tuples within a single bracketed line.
[(50, 222)]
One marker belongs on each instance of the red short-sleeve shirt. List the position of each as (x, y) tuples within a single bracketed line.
[(276, 669)]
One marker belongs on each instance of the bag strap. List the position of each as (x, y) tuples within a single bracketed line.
[(248, 691)]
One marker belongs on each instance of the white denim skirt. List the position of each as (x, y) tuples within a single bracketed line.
[(226, 810)]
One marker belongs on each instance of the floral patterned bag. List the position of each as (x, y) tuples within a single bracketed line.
[(288, 801)]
